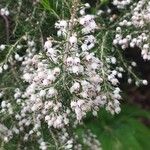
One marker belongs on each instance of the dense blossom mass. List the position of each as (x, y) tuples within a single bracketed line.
[(73, 73), (139, 20)]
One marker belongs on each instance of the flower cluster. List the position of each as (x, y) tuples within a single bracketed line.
[(61, 62), (4, 12), (41, 95), (61, 25), (91, 140), (121, 4), (139, 15), (88, 23)]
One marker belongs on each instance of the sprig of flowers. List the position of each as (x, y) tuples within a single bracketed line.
[(72, 74), (138, 21)]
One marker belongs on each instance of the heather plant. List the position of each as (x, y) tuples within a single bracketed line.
[(60, 62)]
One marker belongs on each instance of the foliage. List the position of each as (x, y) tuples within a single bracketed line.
[(121, 131)]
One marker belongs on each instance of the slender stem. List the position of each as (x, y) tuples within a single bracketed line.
[(126, 66), (70, 31), (6, 26), (17, 17), (103, 45), (11, 49), (55, 140), (102, 58), (71, 26)]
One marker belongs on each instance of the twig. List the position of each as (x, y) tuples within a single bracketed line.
[(6, 26), (71, 25), (55, 140), (11, 49)]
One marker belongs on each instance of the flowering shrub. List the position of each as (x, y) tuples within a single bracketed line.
[(57, 80)]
